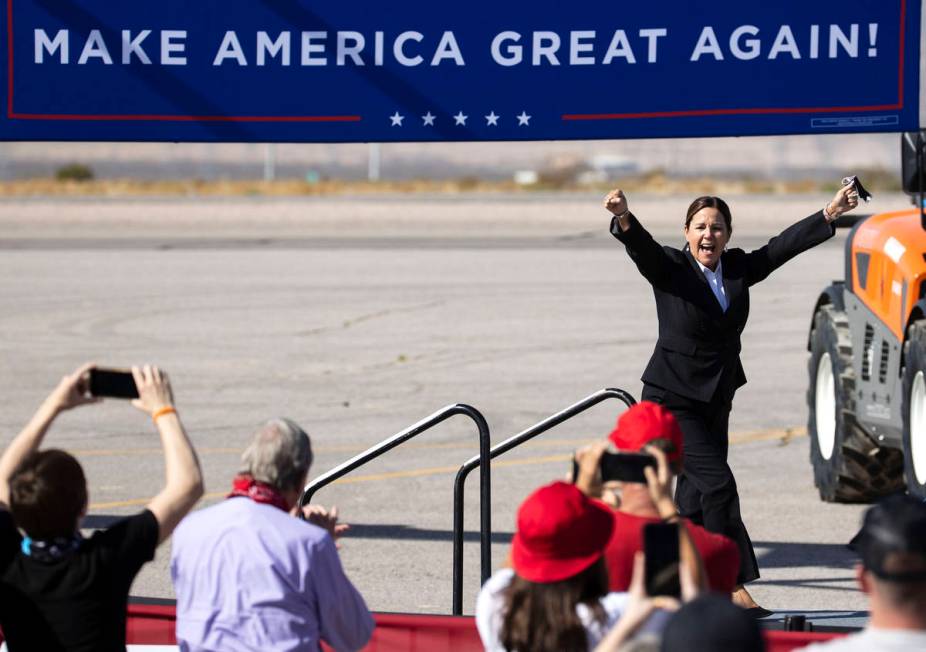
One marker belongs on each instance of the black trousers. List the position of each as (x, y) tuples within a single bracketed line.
[(706, 490)]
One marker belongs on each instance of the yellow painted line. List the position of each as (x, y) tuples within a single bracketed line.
[(440, 470), (204, 450), (783, 434), (535, 460), (375, 477), (119, 503), (114, 452)]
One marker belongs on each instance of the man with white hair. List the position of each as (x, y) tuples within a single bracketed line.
[(250, 575)]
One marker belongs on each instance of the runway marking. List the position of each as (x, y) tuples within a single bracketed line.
[(115, 452), (374, 477), (783, 434), (735, 438)]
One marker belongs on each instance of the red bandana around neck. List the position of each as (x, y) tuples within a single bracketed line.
[(259, 492)]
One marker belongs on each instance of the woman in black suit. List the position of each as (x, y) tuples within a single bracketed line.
[(702, 302)]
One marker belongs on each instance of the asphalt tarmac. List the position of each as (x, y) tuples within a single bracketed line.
[(362, 321)]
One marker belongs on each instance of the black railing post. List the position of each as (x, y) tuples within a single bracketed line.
[(485, 519), (481, 461), (485, 492)]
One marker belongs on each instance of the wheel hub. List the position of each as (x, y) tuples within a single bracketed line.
[(918, 426), (825, 409)]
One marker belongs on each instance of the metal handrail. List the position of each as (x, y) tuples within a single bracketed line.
[(507, 445), (485, 502)]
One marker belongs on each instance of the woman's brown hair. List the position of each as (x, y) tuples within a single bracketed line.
[(47, 494), (708, 201), (541, 617)]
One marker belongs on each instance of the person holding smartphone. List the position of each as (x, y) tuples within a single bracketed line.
[(59, 590), (554, 597), (644, 425), (702, 304)]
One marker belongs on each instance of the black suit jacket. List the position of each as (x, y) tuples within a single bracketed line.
[(697, 353)]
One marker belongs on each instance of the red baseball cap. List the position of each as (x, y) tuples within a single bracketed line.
[(561, 532), (644, 422)]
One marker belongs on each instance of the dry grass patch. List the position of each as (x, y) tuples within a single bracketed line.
[(656, 183)]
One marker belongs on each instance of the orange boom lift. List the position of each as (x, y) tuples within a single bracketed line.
[(867, 368)]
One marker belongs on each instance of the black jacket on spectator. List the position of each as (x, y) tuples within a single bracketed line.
[(77, 603)]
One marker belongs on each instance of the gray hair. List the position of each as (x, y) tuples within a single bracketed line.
[(279, 455)]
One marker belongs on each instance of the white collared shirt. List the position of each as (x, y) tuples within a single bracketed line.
[(715, 280)]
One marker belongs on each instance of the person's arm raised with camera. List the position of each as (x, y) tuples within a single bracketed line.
[(183, 484), (70, 393), (588, 461), (659, 481)]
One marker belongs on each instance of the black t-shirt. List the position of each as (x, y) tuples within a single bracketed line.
[(77, 603)]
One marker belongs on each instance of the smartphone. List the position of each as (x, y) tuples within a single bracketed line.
[(660, 547), (113, 383), (626, 467)]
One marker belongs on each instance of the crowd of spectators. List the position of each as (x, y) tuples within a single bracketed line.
[(259, 571), (254, 572)]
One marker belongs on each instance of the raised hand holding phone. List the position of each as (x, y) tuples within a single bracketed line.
[(639, 608), (659, 482), (661, 550), (586, 474), (72, 390), (154, 392), (112, 383)]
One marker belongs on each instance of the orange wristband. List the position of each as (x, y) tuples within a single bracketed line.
[(160, 412)]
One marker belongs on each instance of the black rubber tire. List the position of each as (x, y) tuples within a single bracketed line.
[(914, 360), (859, 470)]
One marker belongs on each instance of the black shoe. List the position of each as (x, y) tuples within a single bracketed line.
[(758, 612)]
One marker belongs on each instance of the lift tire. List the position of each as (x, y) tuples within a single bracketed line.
[(913, 408), (849, 466)]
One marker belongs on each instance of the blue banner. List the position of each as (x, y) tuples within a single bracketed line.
[(409, 70)]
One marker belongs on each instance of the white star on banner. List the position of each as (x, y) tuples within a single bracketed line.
[(428, 119), (460, 119), (523, 119), (397, 119), (492, 120)]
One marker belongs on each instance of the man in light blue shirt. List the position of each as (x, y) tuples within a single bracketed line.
[(249, 576)]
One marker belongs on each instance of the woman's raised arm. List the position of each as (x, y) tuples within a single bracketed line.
[(616, 203), (647, 254)]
